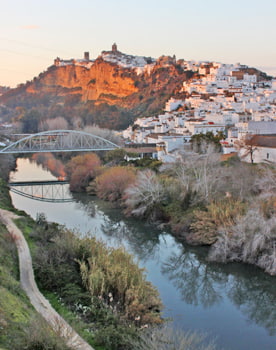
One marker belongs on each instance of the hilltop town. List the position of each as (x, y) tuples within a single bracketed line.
[(232, 99), (117, 90)]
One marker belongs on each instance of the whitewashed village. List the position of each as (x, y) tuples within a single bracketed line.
[(225, 99)]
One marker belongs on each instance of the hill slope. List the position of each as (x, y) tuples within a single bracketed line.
[(111, 91)]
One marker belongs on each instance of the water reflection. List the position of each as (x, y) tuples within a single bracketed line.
[(145, 243), (255, 295), (198, 281), (234, 302), (201, 282)]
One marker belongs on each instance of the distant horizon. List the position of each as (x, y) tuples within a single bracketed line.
[(34, 33)]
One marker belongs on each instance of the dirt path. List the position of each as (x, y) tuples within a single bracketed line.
[(40, 303)]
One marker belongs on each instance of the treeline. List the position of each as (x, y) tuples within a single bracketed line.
[(229, 205)]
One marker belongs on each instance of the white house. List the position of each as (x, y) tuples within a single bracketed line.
[(261, 148), (173, 104)]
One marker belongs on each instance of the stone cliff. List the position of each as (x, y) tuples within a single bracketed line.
[(103, 78), (115, 87)]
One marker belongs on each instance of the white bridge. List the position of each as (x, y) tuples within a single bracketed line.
[(60, 141)]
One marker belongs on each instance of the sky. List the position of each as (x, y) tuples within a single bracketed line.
[(33, 33)]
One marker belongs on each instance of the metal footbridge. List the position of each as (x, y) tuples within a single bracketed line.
[(44, 191), (60, 141)]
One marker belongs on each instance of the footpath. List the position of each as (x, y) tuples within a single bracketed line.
[(28, 284)]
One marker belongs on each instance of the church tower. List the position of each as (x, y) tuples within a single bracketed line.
[(114, 48)]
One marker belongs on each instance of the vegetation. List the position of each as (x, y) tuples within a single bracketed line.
[(166, 338), (20, 326), (204, 200), (199, 141), (112, 183), (103, 286), (81, 170), (146, 196)]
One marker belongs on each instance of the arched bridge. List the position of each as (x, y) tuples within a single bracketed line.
[(59, 141)]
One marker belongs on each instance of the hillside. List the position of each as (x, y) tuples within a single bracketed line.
[(110, 91)]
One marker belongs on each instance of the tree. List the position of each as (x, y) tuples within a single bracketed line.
[(30, 121), (200, 142), (247, 147), (58, 123), (199, 174), (107, 134), (81, 170), (145, 196), (112, 183)]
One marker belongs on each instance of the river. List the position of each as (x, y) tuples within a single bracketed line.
[(233, 303)]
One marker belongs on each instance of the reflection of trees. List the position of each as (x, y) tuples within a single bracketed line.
[(255, 296), (195, 279), (143, 240), (200, 282), (88, 206)]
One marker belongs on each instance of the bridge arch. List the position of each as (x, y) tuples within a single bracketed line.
[(60, 141)]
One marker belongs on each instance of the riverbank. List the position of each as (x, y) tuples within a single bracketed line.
[(27, 282), (107, 324), (20, 325), (229, 206), (198, 295)]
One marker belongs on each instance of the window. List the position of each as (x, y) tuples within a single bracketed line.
[(267, 156)]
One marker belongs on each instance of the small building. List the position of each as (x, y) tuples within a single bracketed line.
[(262, 148)]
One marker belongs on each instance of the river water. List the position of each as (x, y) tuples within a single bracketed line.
[(234, 303)]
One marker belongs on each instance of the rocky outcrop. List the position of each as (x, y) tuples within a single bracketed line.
[(110, 91), (103, 78)]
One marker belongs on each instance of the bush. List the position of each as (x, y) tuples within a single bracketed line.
[(112, 183), (115, 155), (251, 239), (81, 170), (207, 223), (112, 275), (145, 197)]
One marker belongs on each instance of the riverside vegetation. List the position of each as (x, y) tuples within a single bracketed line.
[(227, 205), (101, 292)]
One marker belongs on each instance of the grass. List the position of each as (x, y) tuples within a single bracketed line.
[(71, 318), (15, 308), (5, 201)]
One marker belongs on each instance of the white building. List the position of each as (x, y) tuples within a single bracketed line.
[(262, 149), (173, 104)]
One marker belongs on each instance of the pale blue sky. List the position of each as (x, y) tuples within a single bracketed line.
[(33, 32)]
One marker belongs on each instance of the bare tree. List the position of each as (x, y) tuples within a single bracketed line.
[(200, 173), (247, 147), (58, 123), (104, 133), (146, 194)]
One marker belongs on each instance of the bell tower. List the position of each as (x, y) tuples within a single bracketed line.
[(114, 48)]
